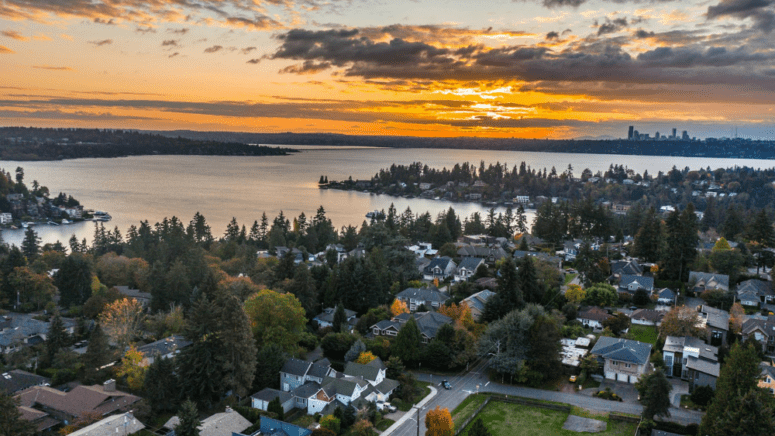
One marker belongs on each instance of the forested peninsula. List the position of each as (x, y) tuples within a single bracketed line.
[(34, 144)]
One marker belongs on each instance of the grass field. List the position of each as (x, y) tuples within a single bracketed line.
[(506, 419), (467, 408), (644, 333), (569, 278)]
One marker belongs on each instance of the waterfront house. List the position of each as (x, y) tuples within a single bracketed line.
[(623, 360)]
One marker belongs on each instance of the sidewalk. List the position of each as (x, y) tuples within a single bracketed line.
[(408, 414)]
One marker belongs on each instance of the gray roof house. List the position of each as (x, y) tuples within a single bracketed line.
[(631, 284), (763, 330), (467, 268), (19, 330), (477, 301), (416, 297), (428, 323), (489, 254), (626, 268), (122, 424), (260, 400), (755, 292), (17, 380), (296, 372), (716, 322), (691, 359), (702, 281), (326, 318), (439, 268), (165, 348), (144, 298), (624, 360), (219, 424), (666, 296)]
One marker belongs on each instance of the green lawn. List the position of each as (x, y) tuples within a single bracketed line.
[(467, 407), (569, 278), (505, 419), (644, 333), (384, 424)]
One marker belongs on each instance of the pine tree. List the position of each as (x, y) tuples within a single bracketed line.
[(340, 319), (57, 337), (161, 385), (31, 244), (189, 420), (74, 280), (11, 421), (407, 343), (478, 429), (303, 287), (655, 394), (527, 279), (236, 336), (509, 292), (97, 355)]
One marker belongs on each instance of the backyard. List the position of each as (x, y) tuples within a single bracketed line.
[(643, 333), (506, 419)]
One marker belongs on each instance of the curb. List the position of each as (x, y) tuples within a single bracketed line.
[(407, 415)]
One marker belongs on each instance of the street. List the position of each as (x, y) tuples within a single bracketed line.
[(467, 384)]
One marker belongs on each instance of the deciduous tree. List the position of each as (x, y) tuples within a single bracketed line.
[(132, 368), (575, 294), (277, 318), (398, 307), (121, 320), (680, 321), (438, 422), (365, 358)]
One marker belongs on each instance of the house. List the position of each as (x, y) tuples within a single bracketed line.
[(326, 318), (428, 323), (344, 390), (467, 268), (144, 298), (569, 251), (296, 372), (477, 301), (489, 254), (487, 282), (439, 268), (261, 399), (702, 281), (224, 423), (428, 297), (647, 317), (631, 284), (716, 322), (123, 424), (422, 249), (573, 351), (16, 380), (593, 317), (666, 296), (6, 218), (691, 359), (621, 268), (763, 330), (373, 372), (274, 427), (767, 380), (624, 360), (68, 406), (19, 330), (754, 293), (421, 263), (553, 260), (165, 348)]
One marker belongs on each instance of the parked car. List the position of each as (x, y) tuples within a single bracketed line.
[(386, 407), (445, 384), (572, 379)]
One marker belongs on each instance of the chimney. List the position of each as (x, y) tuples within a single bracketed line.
[(109, 386), (229, 409)]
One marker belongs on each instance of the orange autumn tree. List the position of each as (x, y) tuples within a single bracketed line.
[(133, 368), (122, 320), (460, 314), (365, 357), (398, 307), (439, 422)]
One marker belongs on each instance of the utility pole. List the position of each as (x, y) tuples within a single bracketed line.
[(418, 421)]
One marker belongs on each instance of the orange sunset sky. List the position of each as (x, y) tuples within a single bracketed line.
[(522, 68)]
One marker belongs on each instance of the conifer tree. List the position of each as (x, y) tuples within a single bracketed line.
[(478, 429), (527, 279), (161, 385), (236, 336), (97, 355), (407, 343), (655, 394), (74, 280), (340, 319), (57, 337), (31, 244), (189, 420), (11, 421)]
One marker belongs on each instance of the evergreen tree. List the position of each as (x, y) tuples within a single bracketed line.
[(355, 351), (57, 337), (269, 362), (478, 429), (340, 319), (14, 259), (31, 244), (201, 372), (407, 343), (732, 225), (97, 355), (189, 420), (274, 406), (303, 287), (739, 406), (527, 279), (544, 354), (11, 421), (648, 240), (509, 293), (681, 248), (161, 385), (74, 280), (236, 337), (655, 394)]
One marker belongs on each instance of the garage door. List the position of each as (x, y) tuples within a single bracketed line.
[(633, 379), (610, 375), (622, 377)]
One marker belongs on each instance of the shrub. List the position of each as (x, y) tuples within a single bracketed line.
[(702, 395)]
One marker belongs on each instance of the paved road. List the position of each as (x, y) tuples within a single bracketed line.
[(466, 384)]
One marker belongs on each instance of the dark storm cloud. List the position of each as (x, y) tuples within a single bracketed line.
[(761, 12), (612, 26)]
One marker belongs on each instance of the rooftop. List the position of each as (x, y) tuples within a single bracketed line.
[(623, 350)]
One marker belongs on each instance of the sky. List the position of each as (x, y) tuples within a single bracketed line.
[(500, 68)]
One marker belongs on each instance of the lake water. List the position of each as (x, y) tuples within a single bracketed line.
[(150, 188)]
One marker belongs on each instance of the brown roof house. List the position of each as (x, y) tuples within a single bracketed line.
[(66, 407), (593, 317)]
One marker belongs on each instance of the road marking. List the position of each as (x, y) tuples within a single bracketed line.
[(485, 385)]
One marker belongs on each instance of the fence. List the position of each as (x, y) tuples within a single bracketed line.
[(512, 400)]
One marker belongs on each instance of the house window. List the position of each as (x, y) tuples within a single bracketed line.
[(627, 365), (615, 363)]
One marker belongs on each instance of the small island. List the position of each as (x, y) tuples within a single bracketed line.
[(35, 144)]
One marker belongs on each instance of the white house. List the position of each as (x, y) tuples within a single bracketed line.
[(593, 317), (6, 218), (467, 268)]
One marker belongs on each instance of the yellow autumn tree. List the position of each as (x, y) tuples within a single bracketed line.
[(575, 294), (365, 357), (121, 320), (736, 318), (132, 368), (460, 314), (398, 307), (438, 422)]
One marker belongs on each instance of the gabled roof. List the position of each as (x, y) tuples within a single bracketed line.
[(80, 400), (306, 390), (328, 314), (709, 280), (122, 424), (647, 315), (767, 327), (470, 263), (359, 370), (377, 363), (715, 317), (703, 366), (666, 293), (164, 346), (343, 386), (646, 283), (440, 262), (481, 251), (759, 288), (386, 324), (387, 386), (624, 267), (767, 370), (594, 314), (133, 293), (430, 322), (431, 294), (479, 299), (17, 380), (217, 425), (269, 394), (623, 350), (296, 367)]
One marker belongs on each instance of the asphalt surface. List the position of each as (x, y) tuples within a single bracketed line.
[(476, 381)]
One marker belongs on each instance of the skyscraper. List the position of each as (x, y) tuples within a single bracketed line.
[(629, 135)]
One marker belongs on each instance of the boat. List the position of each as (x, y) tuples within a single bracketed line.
[(52, 223), (64, 221), (27, 224)]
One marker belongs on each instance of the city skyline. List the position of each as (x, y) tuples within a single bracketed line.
[(527, 69)]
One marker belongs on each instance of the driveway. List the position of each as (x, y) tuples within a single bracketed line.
[(625, 390)]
